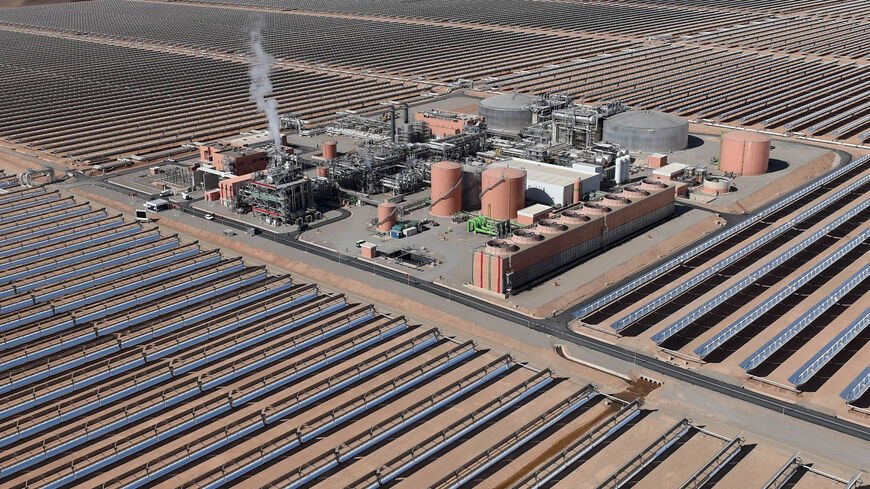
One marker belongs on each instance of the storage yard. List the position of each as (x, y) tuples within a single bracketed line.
[(446, 243)]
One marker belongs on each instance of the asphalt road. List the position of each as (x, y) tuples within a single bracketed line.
[(556, 326)]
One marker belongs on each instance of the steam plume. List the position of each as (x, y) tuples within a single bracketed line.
[(261, 87)]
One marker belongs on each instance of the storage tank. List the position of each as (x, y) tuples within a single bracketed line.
[(503, 192), (387, 216), (649, 131), (716, 185), (330, 150), (745, 153), (500, 247), (471, 175), (506, 113), (446, 188), (526, 236), (623, 166), (323, 171)]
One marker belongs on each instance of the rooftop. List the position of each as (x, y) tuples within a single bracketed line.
[(545, 172)]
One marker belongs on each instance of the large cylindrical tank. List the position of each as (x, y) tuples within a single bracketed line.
[(387, 216), (330, 150), (649, 131), (745, 153), (323, 171), (446, 188), (506, 113), (471, 187), (504, 192)]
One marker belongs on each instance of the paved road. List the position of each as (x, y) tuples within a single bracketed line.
[(557, 327)]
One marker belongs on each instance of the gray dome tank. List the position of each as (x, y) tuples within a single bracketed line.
[(505, 113), (648, 131)]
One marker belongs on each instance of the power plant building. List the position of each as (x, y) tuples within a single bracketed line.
[(552, 184), (443, 123), (503, 265)]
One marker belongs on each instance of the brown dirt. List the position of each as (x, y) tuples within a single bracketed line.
[(640, 388), (557, 447), (637, 390), (795, 179)]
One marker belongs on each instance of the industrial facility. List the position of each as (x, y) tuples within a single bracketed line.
[(448, 244)]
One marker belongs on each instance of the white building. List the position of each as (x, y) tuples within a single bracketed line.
[(552, 184)]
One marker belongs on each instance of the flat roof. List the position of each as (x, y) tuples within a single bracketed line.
[(670, 169), (534, 210), (538, 171)]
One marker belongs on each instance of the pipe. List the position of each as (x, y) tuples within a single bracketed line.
[(394, 137)]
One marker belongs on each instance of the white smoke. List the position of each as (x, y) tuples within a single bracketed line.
[(261, 87)]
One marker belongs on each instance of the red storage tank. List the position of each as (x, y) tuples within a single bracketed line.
[(446, 188), (504, 192), (323, 171), (330, 150), (745, 153), (387, 216)]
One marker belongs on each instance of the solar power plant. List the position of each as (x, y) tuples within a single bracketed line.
[(176, 68), (132, 356)]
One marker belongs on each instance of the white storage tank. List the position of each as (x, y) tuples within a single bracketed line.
[(507, 113)]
